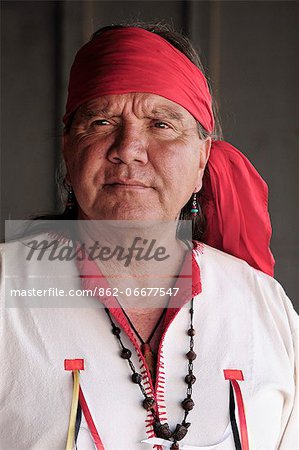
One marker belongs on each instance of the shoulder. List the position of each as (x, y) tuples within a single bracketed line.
[(223, 266), (34, 247), (235, 277), (37, 255)]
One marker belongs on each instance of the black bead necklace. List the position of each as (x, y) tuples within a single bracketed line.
[(162, 430)]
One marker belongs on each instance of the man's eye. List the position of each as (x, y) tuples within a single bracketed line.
[(162, 125), (100, 122)]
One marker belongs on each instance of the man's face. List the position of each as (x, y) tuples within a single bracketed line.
[(133, 156)]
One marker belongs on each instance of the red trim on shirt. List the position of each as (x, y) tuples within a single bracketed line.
[(91, 277), (74, 364)]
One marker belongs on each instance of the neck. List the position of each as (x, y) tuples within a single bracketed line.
[(135, 256)]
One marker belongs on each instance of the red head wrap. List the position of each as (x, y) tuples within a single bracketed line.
[(131, 59), (134, 60)]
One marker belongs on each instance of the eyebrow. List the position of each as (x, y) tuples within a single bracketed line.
[(88, 113), (165, 111), (161, 111)]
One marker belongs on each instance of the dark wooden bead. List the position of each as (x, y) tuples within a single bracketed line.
[(156, 426), (126, 353), (190, 378), (188, 404), (116, 331), (175, 446), (136, 378), (191, 355), (148, 403), (191, 332), (163, 431), (180, 432)]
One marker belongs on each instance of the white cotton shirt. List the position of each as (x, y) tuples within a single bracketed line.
[(243, 320)]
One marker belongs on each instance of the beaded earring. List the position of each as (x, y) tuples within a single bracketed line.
[(194, 209), (70, 203)]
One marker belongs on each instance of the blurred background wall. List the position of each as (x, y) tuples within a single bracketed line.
[(250, 48)]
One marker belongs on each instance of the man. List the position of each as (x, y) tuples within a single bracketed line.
[(139, 136)]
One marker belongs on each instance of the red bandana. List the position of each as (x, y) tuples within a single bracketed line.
[(135, 60)]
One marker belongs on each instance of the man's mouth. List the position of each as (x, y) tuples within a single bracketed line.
[(126, 184)]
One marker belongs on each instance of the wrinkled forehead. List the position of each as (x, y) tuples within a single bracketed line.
[(140, 104)]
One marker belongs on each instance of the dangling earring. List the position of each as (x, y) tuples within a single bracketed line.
[(70, 203), (194, 209)]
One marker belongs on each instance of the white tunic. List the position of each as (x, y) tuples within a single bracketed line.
[(243, 321)]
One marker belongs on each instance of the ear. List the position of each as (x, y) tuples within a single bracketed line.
[(203, 159)]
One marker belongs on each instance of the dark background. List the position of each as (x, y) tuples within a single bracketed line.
[(250, 48)]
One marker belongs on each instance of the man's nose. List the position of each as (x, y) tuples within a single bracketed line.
[(130, 145)]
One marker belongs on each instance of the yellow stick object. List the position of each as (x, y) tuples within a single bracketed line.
[(72, 422)]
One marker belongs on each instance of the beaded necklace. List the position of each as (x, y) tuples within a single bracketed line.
[(162, 430)]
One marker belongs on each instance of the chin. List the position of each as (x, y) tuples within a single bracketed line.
[(128, 213)]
